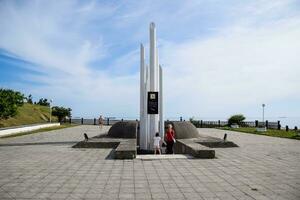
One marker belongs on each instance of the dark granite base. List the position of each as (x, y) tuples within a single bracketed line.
[(201, 147), (121, 137), (189, 146), (123, 148), (222, 144), (123, 129), (189, 141)]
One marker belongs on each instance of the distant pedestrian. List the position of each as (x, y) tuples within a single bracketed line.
[(156, 143), (101, 121), (170, 139)]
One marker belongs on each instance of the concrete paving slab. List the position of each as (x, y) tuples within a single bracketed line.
[(260, 168)]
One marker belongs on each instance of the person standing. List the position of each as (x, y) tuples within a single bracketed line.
[(101, 121), (170, 139), (156, 142)]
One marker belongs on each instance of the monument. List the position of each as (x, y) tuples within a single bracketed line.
[(122, 136), (151, 99)]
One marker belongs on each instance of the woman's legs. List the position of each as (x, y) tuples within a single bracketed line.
[(170, 147)]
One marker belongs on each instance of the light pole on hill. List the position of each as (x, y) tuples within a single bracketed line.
[(263, 113), (50, 109)]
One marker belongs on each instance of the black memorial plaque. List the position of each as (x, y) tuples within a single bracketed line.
[(152, 102)]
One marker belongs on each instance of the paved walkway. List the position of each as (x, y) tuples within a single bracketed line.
[(261, 168)]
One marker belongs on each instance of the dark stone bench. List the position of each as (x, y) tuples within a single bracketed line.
[(98, 143), (189, 146), (123, 148), (126, 149), (121, 137), (185, 130), (189, 141), (123, 129)]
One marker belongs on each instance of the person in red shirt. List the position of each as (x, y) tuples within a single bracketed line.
[(170, 139)]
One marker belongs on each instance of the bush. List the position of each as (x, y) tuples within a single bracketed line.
[(192, 120), (236, 119), (61, 112), (29, 99), (43, 102), (9, 102)]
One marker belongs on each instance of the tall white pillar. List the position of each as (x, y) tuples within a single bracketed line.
[(153, 80), (147, 118), (150, 81), (153, 57), (160, 104), (143, 111)]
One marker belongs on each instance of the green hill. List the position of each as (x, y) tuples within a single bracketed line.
[(28, 114)]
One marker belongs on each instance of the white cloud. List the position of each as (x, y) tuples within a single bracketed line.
[(245, 53), (241, 67)]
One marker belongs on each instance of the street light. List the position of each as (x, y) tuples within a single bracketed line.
[(50, 109), (263, 114)]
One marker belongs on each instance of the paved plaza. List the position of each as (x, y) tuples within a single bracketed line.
[(44, 166)]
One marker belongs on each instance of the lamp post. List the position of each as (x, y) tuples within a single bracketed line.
[(50, 109), (263, 113)]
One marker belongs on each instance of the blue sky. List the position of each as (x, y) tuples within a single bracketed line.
[(219, 57)]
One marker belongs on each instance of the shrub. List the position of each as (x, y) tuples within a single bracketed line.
[(192, 119), (236, 119), (43, 102), (29, 99), (10, 100), (61, 112)]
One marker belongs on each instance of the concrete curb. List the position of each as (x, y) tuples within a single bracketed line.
[(26, 129)]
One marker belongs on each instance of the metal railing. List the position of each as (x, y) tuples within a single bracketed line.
[(219, 123), (94, 121), (197, 123)]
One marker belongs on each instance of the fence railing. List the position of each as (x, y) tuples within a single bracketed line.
[(82, 121), (219, 123), (197, 123)]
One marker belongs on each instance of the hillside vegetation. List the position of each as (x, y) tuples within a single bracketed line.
[(28, 114)]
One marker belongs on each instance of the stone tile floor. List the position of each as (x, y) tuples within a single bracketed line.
[(261, 168)]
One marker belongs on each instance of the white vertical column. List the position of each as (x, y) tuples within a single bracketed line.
[(153, 80), (160, 103), (153, 56), (147, 118), (143, 143), (157, 70)]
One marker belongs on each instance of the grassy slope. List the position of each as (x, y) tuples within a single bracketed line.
[(28, 114), (270, 132)]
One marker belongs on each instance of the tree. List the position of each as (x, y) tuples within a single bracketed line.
[(29, 99), (43, 102), (236, 119), (10, 100), (61, 112)]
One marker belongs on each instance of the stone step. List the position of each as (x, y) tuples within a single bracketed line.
[(163, 156)]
